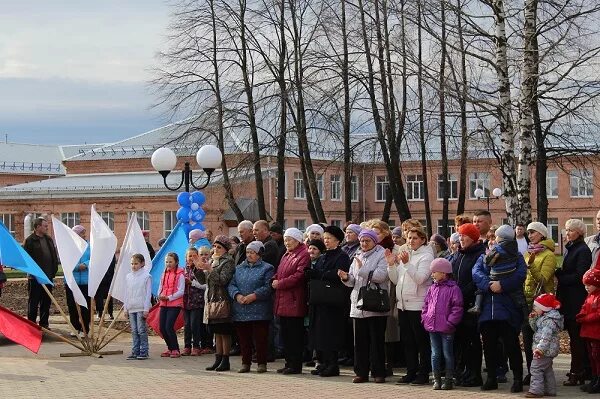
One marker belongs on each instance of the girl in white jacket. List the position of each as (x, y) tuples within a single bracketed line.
[(410, 271), (137, 304)]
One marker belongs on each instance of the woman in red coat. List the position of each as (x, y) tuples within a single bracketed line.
[(589, 318), (290, 299)]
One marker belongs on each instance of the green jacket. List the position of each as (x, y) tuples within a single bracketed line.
[(540, 268)]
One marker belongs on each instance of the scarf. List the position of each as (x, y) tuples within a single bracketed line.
[(535, 249)]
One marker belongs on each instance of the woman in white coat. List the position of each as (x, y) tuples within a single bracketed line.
[(409, 270)]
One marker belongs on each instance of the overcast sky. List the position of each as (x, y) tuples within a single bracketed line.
[(78, 71)]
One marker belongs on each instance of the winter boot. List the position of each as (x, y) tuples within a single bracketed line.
[(224, 366), (587, 386), (596, 387), (476, 308), (437, 381), (448, 381), (217, 362), (517, 385), (490, 383)]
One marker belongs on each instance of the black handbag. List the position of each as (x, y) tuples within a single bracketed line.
[(373, 298), (322, 292)]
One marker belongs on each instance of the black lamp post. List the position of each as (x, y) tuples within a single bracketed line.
[(208, 157), (478, 193)]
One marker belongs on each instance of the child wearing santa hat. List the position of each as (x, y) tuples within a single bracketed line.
[(546, 322), (589, 318)]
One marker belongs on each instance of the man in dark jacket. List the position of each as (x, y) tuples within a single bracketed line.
[(277, 234), (246, 237), (468, 351), (40, 246), (262, 233)]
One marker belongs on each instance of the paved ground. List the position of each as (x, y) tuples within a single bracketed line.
[(47, 375)]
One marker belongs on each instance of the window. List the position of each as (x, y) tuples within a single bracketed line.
[(170, 222), (284, 183), (479, 180), (143, 219), (71, 219), (321, 186), (581, 183), (452, 187), (382, 186), (300, 224), (354, 189), (9, 222), (440, 227), (552, 184), (553, 230), (589, 226), (109, 219), (415, 188), (424, 223), (299, 186), (336, 188), (336, 222)]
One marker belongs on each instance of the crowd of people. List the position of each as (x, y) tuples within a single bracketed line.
[(378, 298)]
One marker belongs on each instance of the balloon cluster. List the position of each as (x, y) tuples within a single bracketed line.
[(191, 213)]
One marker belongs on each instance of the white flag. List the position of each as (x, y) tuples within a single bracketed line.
[(134, 243), (70, 249), (103, 244)]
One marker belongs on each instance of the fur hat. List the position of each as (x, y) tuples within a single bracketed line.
[(592, 277), (295, 234), (441, 265), (315, 227), (223, 241), (320, 245), (256, 246), (369, 234), (469, 230), (441, 241), (335, 231), (546, 302), (505, 232), (539, 227)]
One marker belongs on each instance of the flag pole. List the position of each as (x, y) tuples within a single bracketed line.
[(62, 313), (113, 337), (97, 340), (100, 340), (65, 340), (79, 314), (92, 307)]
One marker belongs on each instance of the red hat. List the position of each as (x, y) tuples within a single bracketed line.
[(469, 230), (546, 302), (145, 233), (592, 277)]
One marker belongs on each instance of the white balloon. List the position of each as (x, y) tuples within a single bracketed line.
[(194, 206)]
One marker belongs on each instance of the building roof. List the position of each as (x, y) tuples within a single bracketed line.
[(248, 207), (30, 159)]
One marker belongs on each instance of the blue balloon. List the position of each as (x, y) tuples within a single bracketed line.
[(198, 197), (183, 214), (198, 215), (183, 199), (199, 226), (187, 228)]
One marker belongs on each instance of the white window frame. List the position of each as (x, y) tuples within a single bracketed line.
[(299, 192), (479, 180), (451, 226), (336, 222), (9, 221), (109, 219), (277, 185), (300, 224), (380, 187), (551, 183), (354, 193), (335, 187), (415, 188), (583, 181), (71, 219), (169, 222), (452, 185), (553, 230), (321, 185), (143, 218)]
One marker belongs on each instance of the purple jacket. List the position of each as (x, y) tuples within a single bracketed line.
[(443, 308)]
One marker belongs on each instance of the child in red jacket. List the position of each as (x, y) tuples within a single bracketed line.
[(589, 318)]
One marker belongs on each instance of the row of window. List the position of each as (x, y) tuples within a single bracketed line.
[(335, 187)]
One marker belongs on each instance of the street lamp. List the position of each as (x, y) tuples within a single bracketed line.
[(478, 193), (208, 157)]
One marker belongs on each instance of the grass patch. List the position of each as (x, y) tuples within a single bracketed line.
[(14, 273)]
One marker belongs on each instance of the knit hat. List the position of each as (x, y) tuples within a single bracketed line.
[(335, 231), (276, 228), (539, 227), (314, 227), (368, 233), (455, 237), (397, 231), (146, 233), (441, 241), (505, 232), (592, 277), (162, 241), (354, 227), (256, 246), (546, 302), (295, 234), (78, 229), (441, 265), (469, 230), (320, 245), (223, 241), (197, 234)]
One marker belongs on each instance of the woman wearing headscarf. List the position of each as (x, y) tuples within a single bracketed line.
[(369, 327), (327, 321), (290, 299)]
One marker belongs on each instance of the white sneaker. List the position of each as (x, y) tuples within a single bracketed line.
[(81, 334), (72, 334), (97, 318)]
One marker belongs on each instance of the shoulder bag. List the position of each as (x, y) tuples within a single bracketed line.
[(372, 297)]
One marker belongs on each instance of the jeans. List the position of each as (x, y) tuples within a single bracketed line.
[(192, 327), (442, 348), (168, 316), (139, 334)]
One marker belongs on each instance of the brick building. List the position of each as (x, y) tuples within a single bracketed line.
[(118, 177)]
